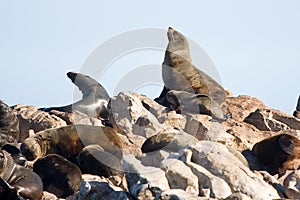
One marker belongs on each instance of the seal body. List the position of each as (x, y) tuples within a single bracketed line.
[(24, 182), (179, 73), (59, 176), (94, 160), (68, 141), (9, 125), (185, 102), (279, 153), (94, 97)]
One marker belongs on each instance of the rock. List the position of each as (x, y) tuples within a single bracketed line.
[(170, 141), (292, 185), (125, 110), (9, 125), (48, 196), (31, 118), (155, 159), (238, 196), (180, 176), (202, 128), (209, 184), (93, 190), (216, 158), (240, 107), (178, 194), (272, 120), (144, 181), (174, 120)]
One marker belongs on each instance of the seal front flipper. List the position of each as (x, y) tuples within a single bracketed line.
[(286, 143)]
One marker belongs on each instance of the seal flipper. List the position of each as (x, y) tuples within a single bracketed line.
[(286, 143), (8, 192)]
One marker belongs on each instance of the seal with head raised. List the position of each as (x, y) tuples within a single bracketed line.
[(279, 153), (9, 125), (179, 73), (15, 178), (94, 97), (68, 141)]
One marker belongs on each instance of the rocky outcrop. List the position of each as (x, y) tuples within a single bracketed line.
[(173, 155)]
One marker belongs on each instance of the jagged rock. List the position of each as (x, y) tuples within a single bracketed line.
[(154, 159), (216, 158), (209, 184), (178, 194), (31, 118), (201, 127), (170, 141), (132, 143), (272, 120), (144, 181), (174, 120), (240, 107), (292, 185), (125, 110), (180, 176), (238, 196), (93, 190)]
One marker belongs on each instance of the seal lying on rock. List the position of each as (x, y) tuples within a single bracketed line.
[(24, 182), (68, 141), (94, 160), (94, 100), (279, 153), (185, 102), (9, 125), (59, 176), (180, 74)]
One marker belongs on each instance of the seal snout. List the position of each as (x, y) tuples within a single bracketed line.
[(170, 33)]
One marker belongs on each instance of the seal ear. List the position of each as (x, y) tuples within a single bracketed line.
[(286, 143)]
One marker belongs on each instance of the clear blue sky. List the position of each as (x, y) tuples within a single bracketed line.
[(255, 45)]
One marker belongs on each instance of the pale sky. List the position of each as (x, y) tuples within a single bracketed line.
[(254, 45)]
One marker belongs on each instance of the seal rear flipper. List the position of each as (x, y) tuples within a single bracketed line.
[(286, 143)]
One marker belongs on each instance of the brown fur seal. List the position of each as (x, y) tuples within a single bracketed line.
[(24, 182), (279, 153), (59, 176), (94, 97), (185, 102), (68, 141), (94, 160), (9, 125), (180, 74)]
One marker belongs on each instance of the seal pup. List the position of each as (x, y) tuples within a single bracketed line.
[(94, 97), (23, 181), (59, 176), (68, 141), (279, 153), (9, 125), (185, 102), (180, 74)]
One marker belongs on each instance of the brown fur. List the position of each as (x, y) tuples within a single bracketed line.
[(69, 140), (279, 153)]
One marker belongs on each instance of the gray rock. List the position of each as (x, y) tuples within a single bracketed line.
[(216, 158), (209, 184), (178, 194), (126, 111), (154, 159), (143, 180), (180, 176)]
